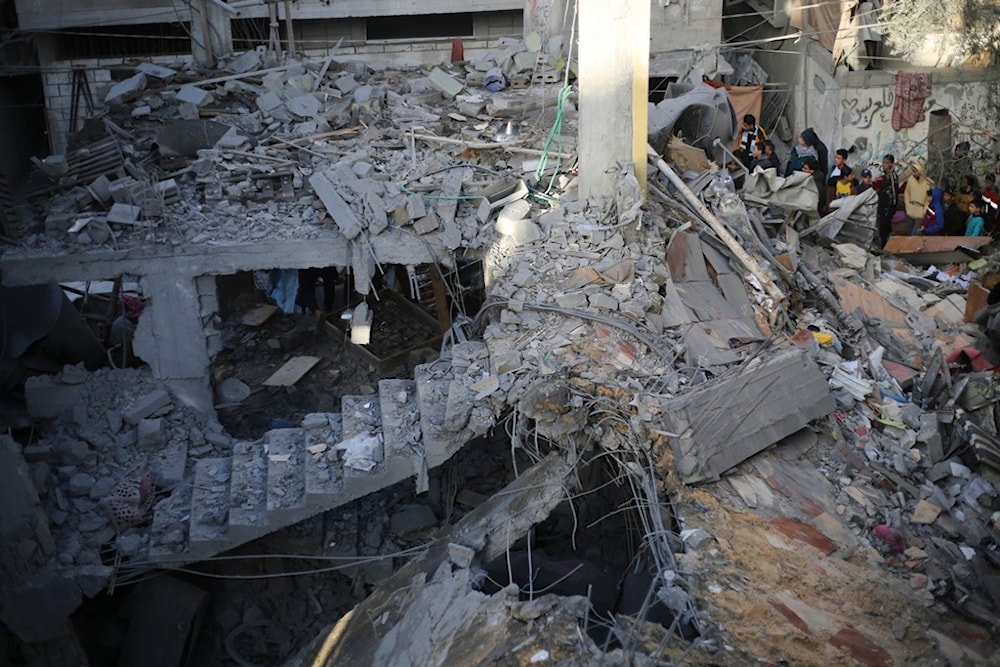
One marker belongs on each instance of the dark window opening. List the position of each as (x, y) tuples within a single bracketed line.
[(123, 41), (250, 33), (420, 26)]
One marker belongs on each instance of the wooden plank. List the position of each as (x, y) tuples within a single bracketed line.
[(685, 259), (975, 300), (872, 304), (926, 250), (343, 215), (259, 315), (291, 371), (727, 420)]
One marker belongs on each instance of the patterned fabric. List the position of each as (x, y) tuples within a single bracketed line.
[(129, 501), (911, 91)]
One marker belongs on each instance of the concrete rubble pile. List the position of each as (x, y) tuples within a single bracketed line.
[(680, 339)]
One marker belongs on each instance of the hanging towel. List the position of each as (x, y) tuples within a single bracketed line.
[(911, 91)]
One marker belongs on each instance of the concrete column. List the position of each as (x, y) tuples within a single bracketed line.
[(208, 17), (170, 337), (548, 19), (220, 31), (614, 85), (46, 49)]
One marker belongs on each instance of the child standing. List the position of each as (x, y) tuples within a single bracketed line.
[(846, 185), (976, 223), (866, 181), (966, 192), (990, 190)]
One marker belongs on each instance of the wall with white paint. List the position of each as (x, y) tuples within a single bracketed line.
[(865, 107), (855, 108)]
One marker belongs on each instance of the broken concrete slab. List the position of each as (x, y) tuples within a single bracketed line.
[(127, 90), (725, 421), (156, 71), (304, 106), (487, 530), (927, 250), (146, 405), (343, 215), (124, 214), (448, 85), (194, 95), (46, 397)]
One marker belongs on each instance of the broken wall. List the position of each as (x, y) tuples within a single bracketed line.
[(856, 108), (53, 14), (320, 27), (677, 25), (865, 117)]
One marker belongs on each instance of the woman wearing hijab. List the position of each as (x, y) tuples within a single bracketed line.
[(916, 194), (808, 146)]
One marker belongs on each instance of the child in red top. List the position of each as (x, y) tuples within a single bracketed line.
[(990, 191)]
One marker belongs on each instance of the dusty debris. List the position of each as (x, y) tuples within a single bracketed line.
[(816, 390)]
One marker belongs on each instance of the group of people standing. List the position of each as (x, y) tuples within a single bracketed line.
[(929, 209), (932, 209)]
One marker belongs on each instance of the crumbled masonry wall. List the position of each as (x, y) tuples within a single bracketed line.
[(52, 14)]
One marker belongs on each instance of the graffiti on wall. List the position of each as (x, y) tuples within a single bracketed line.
[(862, 112), (866, 117)]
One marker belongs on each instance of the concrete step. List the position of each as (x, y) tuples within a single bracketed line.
[(248, 492), (433, 382), (324, 476), (402, 436), (360, 414), (169, 532), (400, 416), (286, 475), (361, 417), (209, 526)]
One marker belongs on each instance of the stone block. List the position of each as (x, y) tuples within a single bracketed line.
[(363, 94), (571, 300), (127, 90), (269, 102), (345, 84), (245, 62), (46, 398), (80, 484), (100, 188), (601, 300), (194, 95), (304, 106), (362, 169), (146, 405), (426, 224), (156, 71), (520, 231), (448, 85), (507, 361), (150, 434), (124, 214), (415, 207)]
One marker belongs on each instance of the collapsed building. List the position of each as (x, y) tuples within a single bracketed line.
[(665, 422)]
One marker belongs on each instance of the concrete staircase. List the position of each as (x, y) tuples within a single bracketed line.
[(291, 474)]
